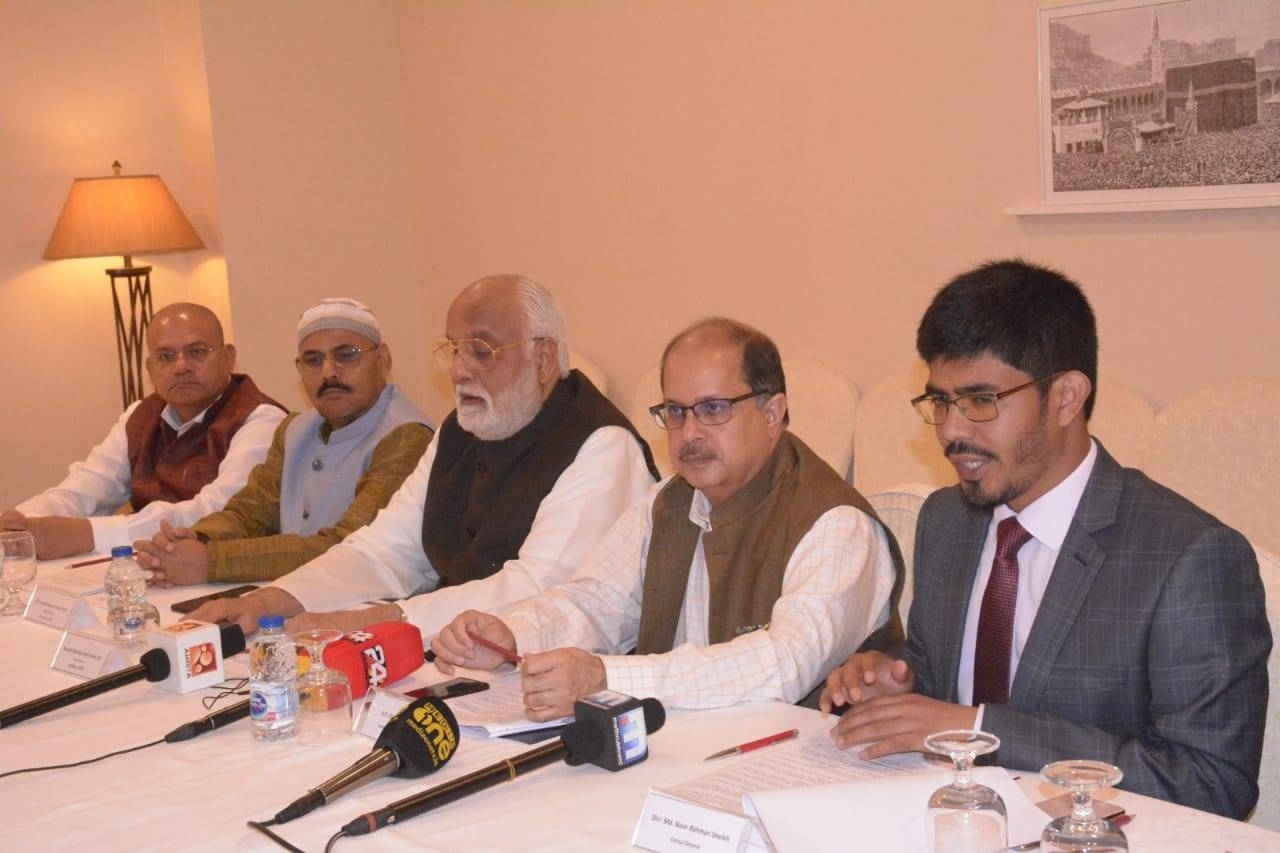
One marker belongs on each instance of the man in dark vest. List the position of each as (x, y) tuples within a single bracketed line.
[(521, 480), (329, 469), (177, 454), (745, 576)]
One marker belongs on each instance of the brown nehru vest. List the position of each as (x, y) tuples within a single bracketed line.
[(165, 466), (752, 537)]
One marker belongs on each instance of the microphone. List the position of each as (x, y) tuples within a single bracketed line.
[(601, 720), (377, 654), (154, 666), (418, 740), (224, 717)]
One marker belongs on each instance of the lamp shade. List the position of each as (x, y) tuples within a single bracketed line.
[(120, 215)]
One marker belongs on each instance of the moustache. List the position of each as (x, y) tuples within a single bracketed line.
[(956, 447), (327, 385), (696, 451)]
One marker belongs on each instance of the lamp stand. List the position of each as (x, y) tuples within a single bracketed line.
[(131, 336)]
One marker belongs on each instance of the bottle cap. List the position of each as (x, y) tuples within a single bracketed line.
[(122, 551), (271, 620)]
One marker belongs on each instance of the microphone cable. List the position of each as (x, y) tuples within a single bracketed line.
[(263, 827)]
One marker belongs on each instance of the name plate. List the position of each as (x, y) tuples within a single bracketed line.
[(86, 656), (669, 824), (59, 609), (379, 707)]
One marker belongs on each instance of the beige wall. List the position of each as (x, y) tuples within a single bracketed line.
[(815, 168)]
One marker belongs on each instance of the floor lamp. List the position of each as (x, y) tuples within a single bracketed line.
[(123, 215)]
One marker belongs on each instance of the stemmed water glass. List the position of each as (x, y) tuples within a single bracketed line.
[(1082, 830), (965, 817), (17, 567), (324, 695)]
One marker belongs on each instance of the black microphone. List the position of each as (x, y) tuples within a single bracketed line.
[(420, 738), (216, 720), (154, 665), (594, 733)]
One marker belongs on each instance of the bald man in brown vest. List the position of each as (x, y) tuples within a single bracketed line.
[(742, 577), (177, 454)]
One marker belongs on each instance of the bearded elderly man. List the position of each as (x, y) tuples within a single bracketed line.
[(1069, 606), (745, 576), (522, 479), (328, 472), (177, 454)]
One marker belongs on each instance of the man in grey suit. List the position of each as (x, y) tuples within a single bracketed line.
[(1073, 608)]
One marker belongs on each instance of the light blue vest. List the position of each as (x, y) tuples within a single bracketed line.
[(319, 479)]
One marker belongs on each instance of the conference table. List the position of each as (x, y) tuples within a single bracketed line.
[(199, 794)]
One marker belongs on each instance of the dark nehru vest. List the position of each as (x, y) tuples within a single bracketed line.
[(482, 495), (165, 466), (752, 537)]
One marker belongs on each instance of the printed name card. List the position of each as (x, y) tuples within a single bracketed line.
[(669, 823), (59, 609), (86, 656), (379, 707)]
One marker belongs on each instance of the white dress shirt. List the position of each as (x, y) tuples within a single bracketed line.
[(98, 486), (835, 592), (385, 557), (1047, 520)]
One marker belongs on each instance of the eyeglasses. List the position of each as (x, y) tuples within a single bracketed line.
[(476, 354), (708, 412), (194, 354), (978, 408), (312, 361)]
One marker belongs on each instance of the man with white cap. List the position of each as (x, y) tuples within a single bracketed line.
[(328, 471)]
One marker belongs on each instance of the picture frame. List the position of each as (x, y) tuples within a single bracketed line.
[(1171, 103)]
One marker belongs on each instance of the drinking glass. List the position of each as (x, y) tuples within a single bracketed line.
[(324, 695), (965, 817), (1082, 830), (17, 567)]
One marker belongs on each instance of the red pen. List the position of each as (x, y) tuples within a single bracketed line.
[(504, 653), (83, 563), (754, 744)]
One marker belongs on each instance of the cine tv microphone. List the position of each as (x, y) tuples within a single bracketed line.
[(155, 665), (378, 654), (604, 724), (418, 740)]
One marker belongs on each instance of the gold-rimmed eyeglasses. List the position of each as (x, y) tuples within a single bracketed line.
[(978, 408), (194, 354), (476, 353), (312, 361)]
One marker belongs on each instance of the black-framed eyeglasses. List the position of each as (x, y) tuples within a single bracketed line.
[(978, 408), (312, 361), (477, 354), (707, 412), (194, 354)]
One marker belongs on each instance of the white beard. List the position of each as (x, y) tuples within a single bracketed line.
[(502, 418)]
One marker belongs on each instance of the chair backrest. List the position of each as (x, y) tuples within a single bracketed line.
[(899, 508), (597, 376), (1267, 812), (891, 445), (823, 404), (1124, 421), (1218, 448)]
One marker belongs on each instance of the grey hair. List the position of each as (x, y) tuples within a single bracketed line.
[(543, 318)]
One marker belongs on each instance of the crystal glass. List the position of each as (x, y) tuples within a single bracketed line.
[(324, 695), (1082, 830), (17, 567), (965, 817)]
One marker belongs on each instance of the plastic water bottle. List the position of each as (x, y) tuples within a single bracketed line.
[(273, 690), (127, 608)]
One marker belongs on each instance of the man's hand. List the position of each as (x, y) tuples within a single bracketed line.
[(453, 647), (55, 537), (244, 611), (11, 519), (174, 555), (554, 680), (898, 723), (864, 676), (344, 620)]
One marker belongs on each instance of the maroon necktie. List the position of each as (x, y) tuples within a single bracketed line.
[(995, 622)]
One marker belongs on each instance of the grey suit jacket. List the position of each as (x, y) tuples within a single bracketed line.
[(1149, 650)]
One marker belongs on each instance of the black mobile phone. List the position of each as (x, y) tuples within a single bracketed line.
[(192, 603), (449, 689)]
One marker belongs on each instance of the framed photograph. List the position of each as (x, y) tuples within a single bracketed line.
[(1144, 101)]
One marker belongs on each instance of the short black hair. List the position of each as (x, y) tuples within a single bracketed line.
[(761, 361), (1030, 317)]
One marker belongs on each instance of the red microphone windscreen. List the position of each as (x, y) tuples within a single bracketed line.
[(376, 655)]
